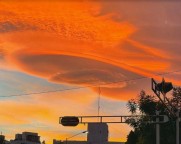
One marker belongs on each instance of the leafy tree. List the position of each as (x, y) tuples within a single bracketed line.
[(176, 97), (132, 138), (144, 133)]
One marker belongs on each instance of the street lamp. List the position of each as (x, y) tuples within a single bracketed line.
[(75, 135)]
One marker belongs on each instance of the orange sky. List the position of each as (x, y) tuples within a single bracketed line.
[(45, 45)]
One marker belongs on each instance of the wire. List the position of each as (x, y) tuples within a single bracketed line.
[(94, 85)]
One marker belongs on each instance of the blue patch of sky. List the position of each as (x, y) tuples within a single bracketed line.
[(110, 107), (18, 83)]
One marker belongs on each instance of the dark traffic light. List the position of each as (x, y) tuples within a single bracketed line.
[(69, 121), (164, 87)]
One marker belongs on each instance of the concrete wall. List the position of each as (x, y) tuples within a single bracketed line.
[(97, 133)]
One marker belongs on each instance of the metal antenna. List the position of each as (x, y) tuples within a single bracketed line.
[(98, 110)]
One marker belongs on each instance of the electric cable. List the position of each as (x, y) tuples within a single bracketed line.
[(89, 86)]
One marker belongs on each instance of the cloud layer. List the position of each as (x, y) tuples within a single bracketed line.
[(43, 41)]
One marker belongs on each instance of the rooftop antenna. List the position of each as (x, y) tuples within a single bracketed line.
[(98, 108)]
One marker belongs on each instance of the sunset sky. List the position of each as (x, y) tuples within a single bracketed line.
[(75, 48)]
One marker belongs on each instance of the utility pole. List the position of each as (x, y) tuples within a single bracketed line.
[(165, 87), (177, 126), (157, 128)]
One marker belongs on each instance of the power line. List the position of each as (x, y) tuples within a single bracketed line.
[(89, 86)]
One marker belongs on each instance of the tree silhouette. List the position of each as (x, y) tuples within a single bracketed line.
[(132, 138), (144, 133)]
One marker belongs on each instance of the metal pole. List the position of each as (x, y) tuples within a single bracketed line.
[(157, 129), (177, 127), (168, 107)]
